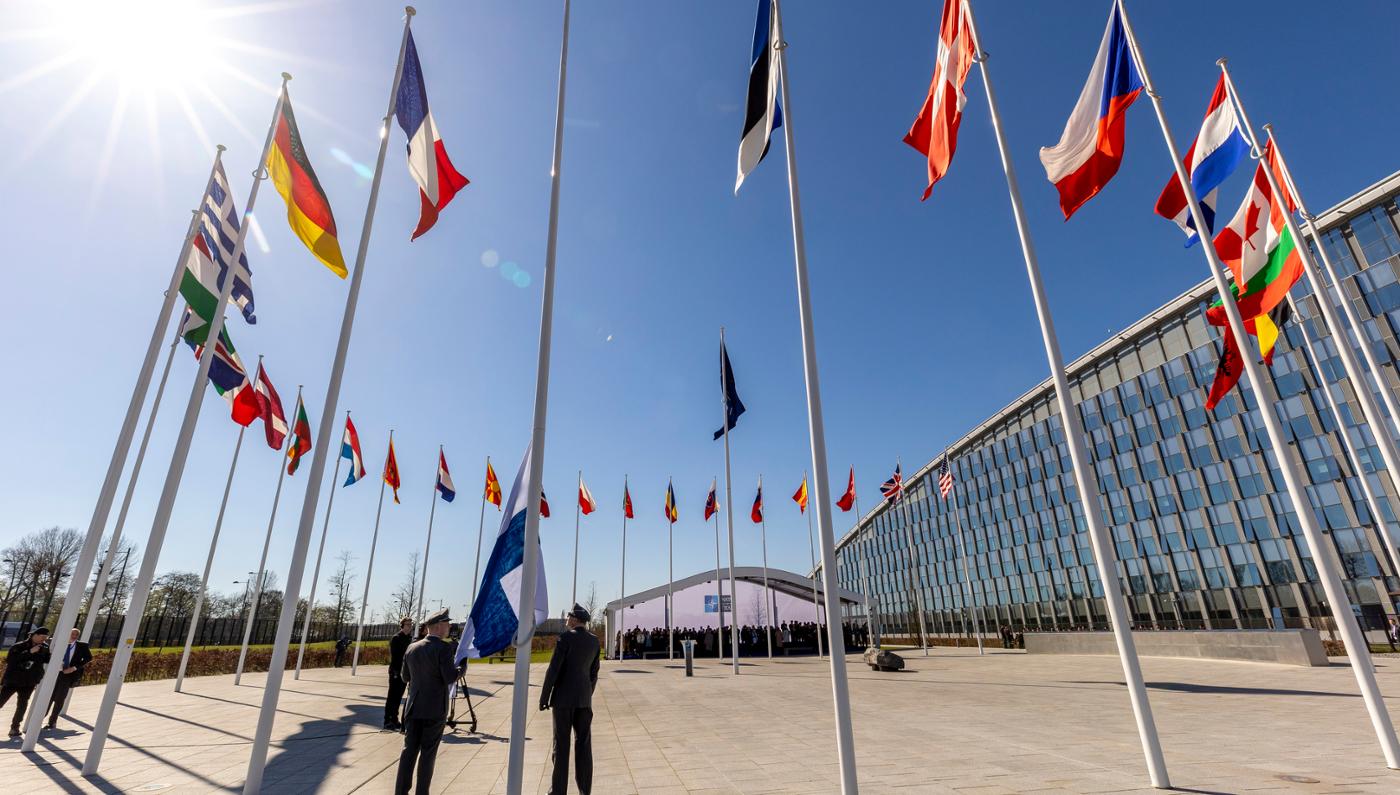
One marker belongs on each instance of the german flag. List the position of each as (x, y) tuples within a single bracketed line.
[(308, 209)]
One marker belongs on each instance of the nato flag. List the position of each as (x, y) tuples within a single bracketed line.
[(733, 406)]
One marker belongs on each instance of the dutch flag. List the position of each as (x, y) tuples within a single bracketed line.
[(350, 450), (438, 181), (1214, 155), (444, 480)]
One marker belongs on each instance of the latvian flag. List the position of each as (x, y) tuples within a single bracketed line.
[(350, 449), (270, 409), (444, 479), (437, 180)]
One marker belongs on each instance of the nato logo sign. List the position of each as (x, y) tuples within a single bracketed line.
[(712, 603)]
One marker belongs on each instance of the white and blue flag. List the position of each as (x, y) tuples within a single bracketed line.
[(495, 615), (219, 227)]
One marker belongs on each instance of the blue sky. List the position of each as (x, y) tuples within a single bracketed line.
[(924, 323)]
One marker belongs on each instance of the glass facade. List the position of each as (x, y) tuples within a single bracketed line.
[(1203, 530)]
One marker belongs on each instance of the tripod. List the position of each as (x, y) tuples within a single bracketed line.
[(462, 691)]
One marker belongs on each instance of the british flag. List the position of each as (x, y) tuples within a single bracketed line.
[(945, 480), (893, 488)]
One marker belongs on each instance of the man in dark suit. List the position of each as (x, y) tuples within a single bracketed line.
[(430, 670), (398, 645), (24, 668), (76, 656), (568, 688)]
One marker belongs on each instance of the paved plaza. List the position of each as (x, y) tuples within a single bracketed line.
[(1006, 722)]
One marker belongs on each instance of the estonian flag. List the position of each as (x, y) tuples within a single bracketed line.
[(762, 114), (733, 406), (495, 616)]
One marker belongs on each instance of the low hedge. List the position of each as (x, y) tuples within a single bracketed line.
[(151, 665)]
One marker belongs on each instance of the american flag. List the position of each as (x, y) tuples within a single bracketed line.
[(945, 480), (893, 488)]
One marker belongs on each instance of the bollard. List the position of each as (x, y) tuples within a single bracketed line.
[(689, 648)]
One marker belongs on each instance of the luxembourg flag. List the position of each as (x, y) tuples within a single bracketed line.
[(437, 180), (1213, 157), (495, 615), (444, 481), (1091, 147), (350, 449)]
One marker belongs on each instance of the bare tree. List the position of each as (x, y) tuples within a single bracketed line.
[(402, 601), (37, 567), (758, 610), (173, 594), (341, 583), (119, 581), (590, 603)]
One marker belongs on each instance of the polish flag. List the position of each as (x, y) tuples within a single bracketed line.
[(586, 503)]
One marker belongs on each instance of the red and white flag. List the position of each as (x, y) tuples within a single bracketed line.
[(586, 503), (270, 409), (935, 130)]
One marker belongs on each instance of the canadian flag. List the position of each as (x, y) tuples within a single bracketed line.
[(586, 503)]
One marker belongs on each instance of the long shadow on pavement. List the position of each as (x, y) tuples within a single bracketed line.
[(1190, 687), (315, 749)]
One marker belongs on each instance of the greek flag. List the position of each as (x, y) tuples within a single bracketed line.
[(218, 225), (495, 615)]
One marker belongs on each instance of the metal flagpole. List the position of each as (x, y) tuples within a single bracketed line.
[(1376, 370), (316, 572), (719, 584), (520, 693), (729, 505), (914, 565), (670, 581), (208, 564), (262, 565), (151, 555), (767, 607), (962, 553), (108, 491), (369, 573), (1359, 652), (812, 553), (871, 626), (845, 742), (1099, 538), (623, 586), (427, 547), (480, 526), (573, 598), (104, 572), (252, 783)]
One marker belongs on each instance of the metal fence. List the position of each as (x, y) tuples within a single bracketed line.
[(160, 630)]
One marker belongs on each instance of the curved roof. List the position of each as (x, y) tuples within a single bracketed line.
[(778, 579)]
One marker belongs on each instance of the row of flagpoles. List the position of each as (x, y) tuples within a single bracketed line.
[(1265, 258)]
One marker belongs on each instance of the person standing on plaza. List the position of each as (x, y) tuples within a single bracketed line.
[(24, 668), (397, 646), (76, 656), (429, 669), (341, 646), (568, 689)]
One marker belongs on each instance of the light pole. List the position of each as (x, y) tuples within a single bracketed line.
[(243, 610), (116, 594)]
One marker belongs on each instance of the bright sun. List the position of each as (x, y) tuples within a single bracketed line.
[(143, 44)]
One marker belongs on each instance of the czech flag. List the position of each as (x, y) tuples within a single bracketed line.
[(437, 180), (1091, 148), (350, 448), (444, 479)]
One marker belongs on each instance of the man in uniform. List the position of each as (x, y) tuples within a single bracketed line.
[(568, 688), (430, 670), (397, 646), (24, 668), (76, 656)]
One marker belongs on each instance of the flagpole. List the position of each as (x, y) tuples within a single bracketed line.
[(316, 572), (719, 585), (573, 598), (151, 555), (1099, 539), (525, 632), (272, 690), (480, 526), (763, 538), (914, 558), (369, 572), (812, 553), (87, 555), (728, 504), (870, 624), (1358, 650), (432, 511), (626, 495), (845, 742), (962, 553), (208, 564), (670, 581), (1386, 394), (104, 572)]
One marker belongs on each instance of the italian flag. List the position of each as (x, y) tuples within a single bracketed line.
[(1258, 248)]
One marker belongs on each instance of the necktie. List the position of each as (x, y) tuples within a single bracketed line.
[(67, 655)]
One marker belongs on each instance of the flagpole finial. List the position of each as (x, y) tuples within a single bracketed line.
[(220, 148), (286, 76), (1220, 62), (1269, 127), (410, 10)]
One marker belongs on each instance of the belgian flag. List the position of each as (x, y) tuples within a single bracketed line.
[(308, 209)]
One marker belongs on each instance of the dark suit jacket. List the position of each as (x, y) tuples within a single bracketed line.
[(82, 655), (398, 646), (573, 671), (430, 671), (24, 667)]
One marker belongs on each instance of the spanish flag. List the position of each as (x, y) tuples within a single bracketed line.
[(801, 497), (308, 209)]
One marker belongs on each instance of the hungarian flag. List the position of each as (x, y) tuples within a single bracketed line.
[(848, 500), (586, 503), (935, 130), (544, 506), (391, 471), (800, 497), (301, 438), (444, 479), (1266, 328), (308, 209), (756, 514), (226, 373), (672, 514), (270, 409), (493, 486), (627, 502), (711, 504), (438, 181), (1258, 247), (350, 449)]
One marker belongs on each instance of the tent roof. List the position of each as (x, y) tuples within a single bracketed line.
[(778, 579)]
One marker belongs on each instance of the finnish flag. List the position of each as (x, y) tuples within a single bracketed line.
[(495, 615)]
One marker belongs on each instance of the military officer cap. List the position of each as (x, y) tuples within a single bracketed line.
[(437, 618), (578, 613)]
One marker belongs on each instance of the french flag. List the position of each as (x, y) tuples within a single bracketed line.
[(1214, 155), (438, 181), (444, 481), (1091, 147)]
